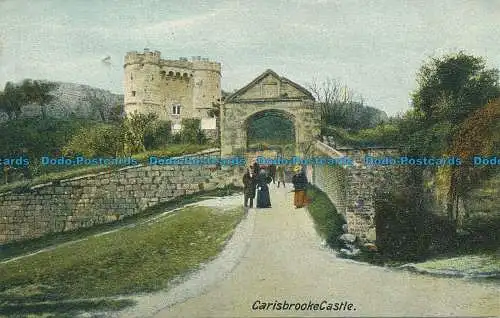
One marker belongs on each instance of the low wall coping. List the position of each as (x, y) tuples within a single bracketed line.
[(91, 175)]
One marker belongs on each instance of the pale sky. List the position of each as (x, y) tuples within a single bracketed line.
[(375, 47)]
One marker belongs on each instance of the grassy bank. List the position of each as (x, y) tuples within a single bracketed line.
[(328, 222), (144, 258), (19, 248)]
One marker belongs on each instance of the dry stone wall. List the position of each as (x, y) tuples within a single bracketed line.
[(104, 197)]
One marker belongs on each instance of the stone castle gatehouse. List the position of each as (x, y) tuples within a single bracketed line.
[(172, 89)]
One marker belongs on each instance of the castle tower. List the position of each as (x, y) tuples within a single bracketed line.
[(142, 82), (206, 90), (173, 89)]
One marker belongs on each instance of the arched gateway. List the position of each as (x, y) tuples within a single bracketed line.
[(268, 93)]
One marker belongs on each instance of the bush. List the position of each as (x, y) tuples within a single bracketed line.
[(101, 140), (191, 132), (158, 134), (136, 126), (38, 137)]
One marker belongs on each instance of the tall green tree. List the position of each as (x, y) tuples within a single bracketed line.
[(136, 126), (454, 86), (451, 89)]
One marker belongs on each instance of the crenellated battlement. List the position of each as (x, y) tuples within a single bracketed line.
[(154, 57), (151, 57)]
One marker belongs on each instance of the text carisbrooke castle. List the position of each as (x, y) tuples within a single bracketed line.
[(173, 89)]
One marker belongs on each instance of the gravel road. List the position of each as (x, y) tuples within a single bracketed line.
[(276, 256)]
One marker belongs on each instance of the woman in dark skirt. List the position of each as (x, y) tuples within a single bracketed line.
[(249, 188), (263, 198)]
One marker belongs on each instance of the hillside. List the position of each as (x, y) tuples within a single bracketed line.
[(354, 116), (74, 100)]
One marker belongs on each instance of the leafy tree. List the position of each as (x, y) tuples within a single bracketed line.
[(454, 86), (11, 100), (158, 134), (477, 135), (136, 126), (117, 113), (101, 140), (450, 89), (191, 131)]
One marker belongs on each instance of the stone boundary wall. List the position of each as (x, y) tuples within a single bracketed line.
[(351, 188), (105, 197)]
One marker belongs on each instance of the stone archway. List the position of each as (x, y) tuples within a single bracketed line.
[(273, 113), (268, 93)]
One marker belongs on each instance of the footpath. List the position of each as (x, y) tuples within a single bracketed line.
[(275, 257)]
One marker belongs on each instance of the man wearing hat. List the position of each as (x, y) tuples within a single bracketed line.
[(299, 181)]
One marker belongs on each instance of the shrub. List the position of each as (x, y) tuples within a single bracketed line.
[(191, 132), (101, 140), (158, 134)]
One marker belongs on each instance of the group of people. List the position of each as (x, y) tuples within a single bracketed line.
[(256, 181)]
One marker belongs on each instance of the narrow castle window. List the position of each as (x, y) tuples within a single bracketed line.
[(131, 76), (133, 93)]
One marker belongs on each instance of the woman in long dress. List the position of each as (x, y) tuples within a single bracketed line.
[(299, 181), (263, 197)]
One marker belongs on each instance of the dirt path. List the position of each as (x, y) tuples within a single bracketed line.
[(276, 255)]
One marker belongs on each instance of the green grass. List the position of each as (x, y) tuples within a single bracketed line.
[(18, 248), (482, 263), (67, 172), (144, 258), (327, 221)]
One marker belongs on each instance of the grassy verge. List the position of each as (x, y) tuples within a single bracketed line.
[(67, 172), (486, 265), (18, 248), (483, 263), (144, 258), (328, 222)]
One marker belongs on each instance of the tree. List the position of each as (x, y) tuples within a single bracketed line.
[(116, 113), (329, 96), (477, 135), (454, 86), (136, 126), (450, 89), (11, 100), (191, 131), (339, 106)]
